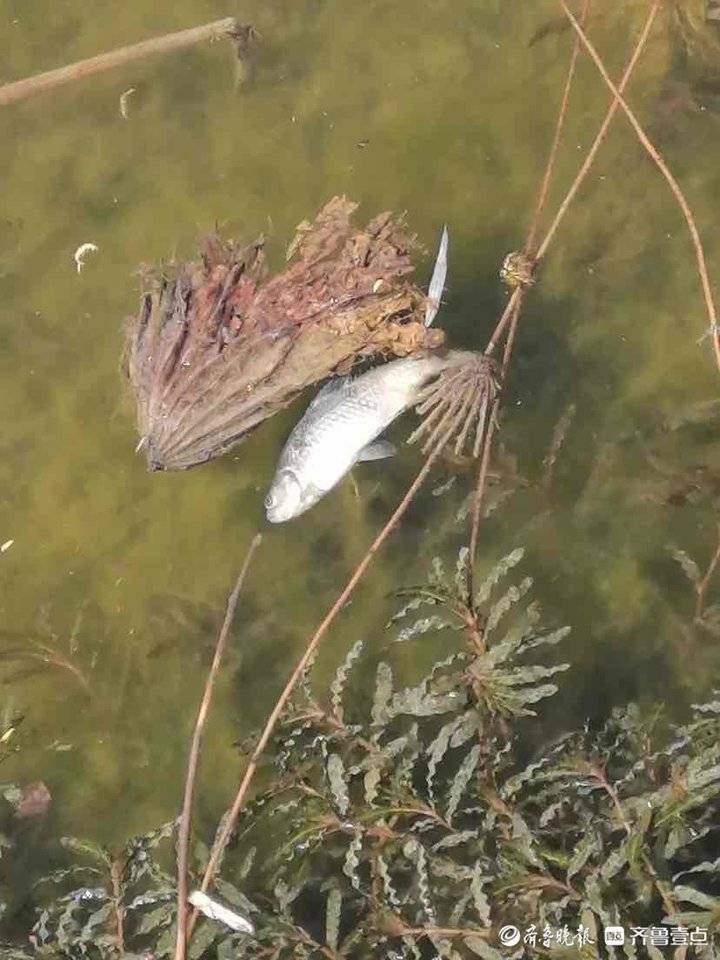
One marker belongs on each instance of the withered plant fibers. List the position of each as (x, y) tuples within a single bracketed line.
[(219, 345)]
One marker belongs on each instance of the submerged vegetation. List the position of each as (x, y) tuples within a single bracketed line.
[(415, 825)]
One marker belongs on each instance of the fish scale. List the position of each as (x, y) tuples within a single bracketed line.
[(339, 426)]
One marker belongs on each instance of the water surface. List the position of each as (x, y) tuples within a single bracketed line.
[(123, 574)]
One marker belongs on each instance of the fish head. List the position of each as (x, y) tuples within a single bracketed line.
[(285, 497)]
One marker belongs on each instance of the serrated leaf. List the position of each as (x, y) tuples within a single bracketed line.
[(587, 846), (481, 948), (383, 694), (706, 866), (372, 778), (461, 780), (481, 902), (86, 848), (415, 852), (454, 840), (499, 571), (416, 702), (688, 565), (502, 606), (352, 860), (437, 750), (615, 861), (696, 897), (337, 687), (332, 917), (461, 574), (423, 625), (338, 782)]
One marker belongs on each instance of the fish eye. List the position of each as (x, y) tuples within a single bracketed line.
[(270, 500)]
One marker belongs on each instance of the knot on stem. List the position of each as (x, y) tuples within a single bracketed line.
[(517, 270)]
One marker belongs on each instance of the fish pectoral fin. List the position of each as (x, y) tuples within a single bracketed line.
[(377, 450)]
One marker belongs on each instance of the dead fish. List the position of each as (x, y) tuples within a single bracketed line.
[(341, 426)]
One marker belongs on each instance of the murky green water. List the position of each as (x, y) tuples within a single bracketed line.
[(123, 574)]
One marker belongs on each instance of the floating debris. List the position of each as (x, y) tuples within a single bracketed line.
[(82, 251), (215, 910), (218, 346), (124, 101), (6, 546)]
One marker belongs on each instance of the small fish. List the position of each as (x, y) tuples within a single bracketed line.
[(341, 426)]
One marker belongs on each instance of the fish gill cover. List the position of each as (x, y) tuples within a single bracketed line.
[(218, 345)]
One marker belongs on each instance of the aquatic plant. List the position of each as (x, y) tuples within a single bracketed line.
[(415, 826)]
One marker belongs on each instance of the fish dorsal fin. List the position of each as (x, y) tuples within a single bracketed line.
[(437, 281), (328, 393)]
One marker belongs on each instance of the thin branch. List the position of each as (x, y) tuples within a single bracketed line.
[(552, 156), (511, 313), (20, 89), (600, 136), (193, 759), (116, 872), (233, 813), (672, 182)]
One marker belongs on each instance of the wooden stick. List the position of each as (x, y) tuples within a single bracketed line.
[(186, 816), (20, 89)]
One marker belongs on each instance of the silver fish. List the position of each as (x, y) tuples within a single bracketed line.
[(341, 426)]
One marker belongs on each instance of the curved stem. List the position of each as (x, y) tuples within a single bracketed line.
[(664, 169)]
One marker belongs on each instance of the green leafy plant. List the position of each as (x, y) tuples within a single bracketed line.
[(413, 828)]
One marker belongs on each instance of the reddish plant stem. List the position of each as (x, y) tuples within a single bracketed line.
[(602, 132), (512, 309), (194, 757), (511, 313), (21, 89), (664, 169), (552, 156), (234, 811)]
